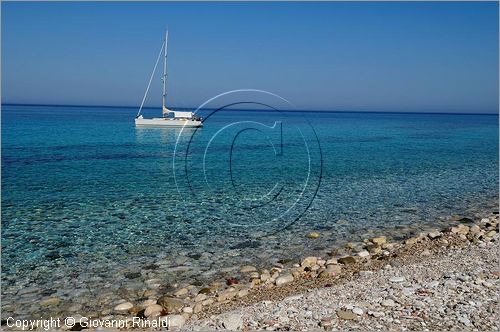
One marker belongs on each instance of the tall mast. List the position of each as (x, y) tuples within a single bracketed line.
[(165, 73)]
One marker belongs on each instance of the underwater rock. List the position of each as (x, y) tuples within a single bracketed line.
[(248, 269), (313, 235), (132, 275), (246, 244), (51, 301)]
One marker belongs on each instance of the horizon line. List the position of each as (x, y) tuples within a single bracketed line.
[(297, 110)]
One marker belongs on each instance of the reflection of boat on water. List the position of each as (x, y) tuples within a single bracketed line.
[(170, 118), (163, 134)]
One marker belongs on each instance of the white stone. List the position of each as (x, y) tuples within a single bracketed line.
[(123, 306), (175, 321), (232, 322), (388, 303), (408, 291), (396, 279), (181, 292), (284, 279), (200, 297), (208, 301), (357, 311), (376, 314), (152, 310), (363, 253), (464, 320), (243, 292), (225, 295), (331, 261), (334, 269), (148, 302), (434, 234), (265, 276), (309, 261)]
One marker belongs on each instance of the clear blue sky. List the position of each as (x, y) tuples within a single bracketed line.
[(337, 56)]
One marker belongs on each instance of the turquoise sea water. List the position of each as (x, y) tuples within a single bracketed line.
[(88, 199)]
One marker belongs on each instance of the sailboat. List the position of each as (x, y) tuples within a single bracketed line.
[(170, 118)]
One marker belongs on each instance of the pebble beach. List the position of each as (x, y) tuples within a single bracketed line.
[(439, 281), (443, 279)]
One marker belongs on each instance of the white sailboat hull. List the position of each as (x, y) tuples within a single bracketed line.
[(166, 122)]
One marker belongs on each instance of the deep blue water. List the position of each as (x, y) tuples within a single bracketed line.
[(86, 194)]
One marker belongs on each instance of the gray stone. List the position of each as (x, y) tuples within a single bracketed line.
[(388, 303), (347, 260), (225, 295), (347, 315), (28, 290), (170, 304), (464, 320)]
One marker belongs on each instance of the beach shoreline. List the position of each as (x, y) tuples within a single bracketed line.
[(207, 307), (442, 282)]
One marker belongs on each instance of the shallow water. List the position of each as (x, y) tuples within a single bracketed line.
[(88, 199)]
